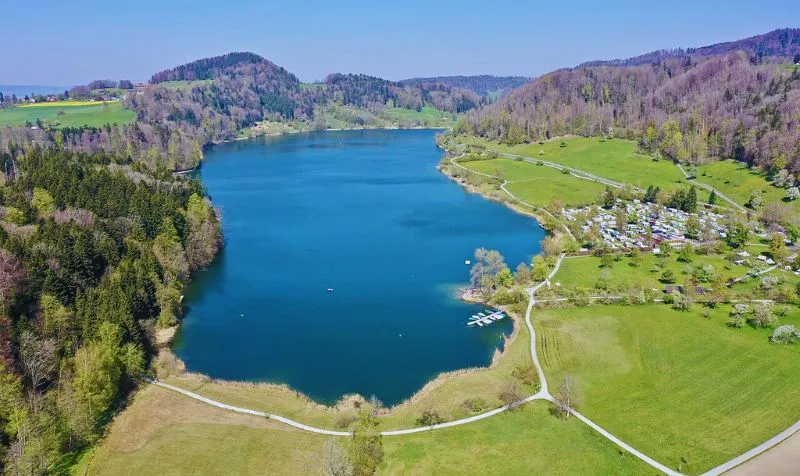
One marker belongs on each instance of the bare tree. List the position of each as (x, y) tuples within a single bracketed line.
[(511, 394), (38, 356), (566, 396), (336, 462)]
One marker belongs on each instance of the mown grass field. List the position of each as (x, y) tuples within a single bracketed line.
[(615, 159), (68, 114), (527, 441), (538, 185), (685, 390), (166, 433), (738, 182)]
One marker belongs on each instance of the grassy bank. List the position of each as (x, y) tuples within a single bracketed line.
[(165, 433)]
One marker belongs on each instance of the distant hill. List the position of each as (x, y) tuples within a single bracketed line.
[(784, 42), (483, 85), (206, 68), (736, 100), (371, 92)]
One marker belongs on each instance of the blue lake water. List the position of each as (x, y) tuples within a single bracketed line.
[(367, 214)]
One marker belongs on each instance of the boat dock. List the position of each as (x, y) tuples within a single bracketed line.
[(485, 318)]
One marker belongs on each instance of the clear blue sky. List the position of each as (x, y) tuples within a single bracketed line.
[(67, 42)]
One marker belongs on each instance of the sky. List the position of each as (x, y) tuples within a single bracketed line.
[(71, 42)]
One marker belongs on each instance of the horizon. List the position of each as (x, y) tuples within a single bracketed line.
[(368, 39)]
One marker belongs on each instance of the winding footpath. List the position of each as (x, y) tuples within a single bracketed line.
[(542, 394)]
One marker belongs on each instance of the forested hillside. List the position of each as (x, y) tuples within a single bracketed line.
[(483, 85), (94, 254), (375, 93), (692, 109), (206, 68), (784, 43)]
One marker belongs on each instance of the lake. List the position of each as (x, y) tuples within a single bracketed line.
[(367, 214)]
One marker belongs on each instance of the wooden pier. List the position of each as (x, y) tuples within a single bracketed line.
[(485, 318)]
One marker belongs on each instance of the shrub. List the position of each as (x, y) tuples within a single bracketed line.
[(430, 417), (510, 394), (346, 420), (762, 316), (526, 374), (475, 405), (785, 335), (668, 276), (681, 302), (736, 321)]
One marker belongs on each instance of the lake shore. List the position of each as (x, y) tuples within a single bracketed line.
[(492, 356)]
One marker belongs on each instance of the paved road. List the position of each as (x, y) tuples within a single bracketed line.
[(544, 392), (779, 438)]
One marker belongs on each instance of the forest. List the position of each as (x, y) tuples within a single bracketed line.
[(483, 85), (738, 105), (94, 256), (783, 42)]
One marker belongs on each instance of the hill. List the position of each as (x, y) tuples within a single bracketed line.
[(206, 68), (783, 42), (737, 105), (483, 85)]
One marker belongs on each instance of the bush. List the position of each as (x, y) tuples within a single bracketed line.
[(430, 417), (474, 405), (511, 394), (763, 317), (526, 374), (736, 321), (785, 335), (345, 421), (667, 276)]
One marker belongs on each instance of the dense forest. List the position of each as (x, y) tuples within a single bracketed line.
[(375, 93), (692, 109), (94, 254), (784, 42), (482, 85)]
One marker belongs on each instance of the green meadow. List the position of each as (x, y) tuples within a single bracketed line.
[(738, 182), (68, 114), (164, 432), (615, 159), (684, 389), (538, 185)]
